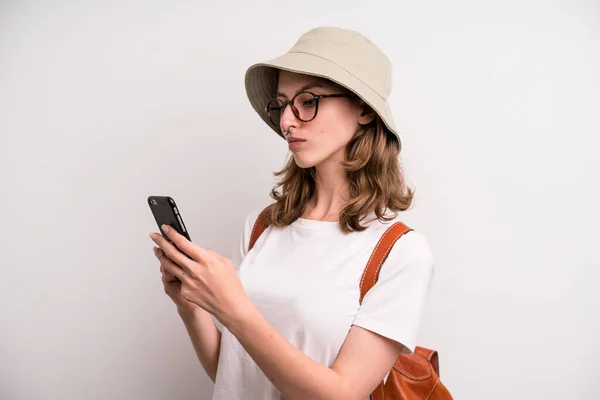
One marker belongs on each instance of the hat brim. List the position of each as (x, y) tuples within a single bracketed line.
[(261, 84)]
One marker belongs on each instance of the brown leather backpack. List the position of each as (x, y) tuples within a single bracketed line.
[(413, 377)]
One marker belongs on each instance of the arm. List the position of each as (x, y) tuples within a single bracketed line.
[(297, 376), (205, 337), (210, 281)]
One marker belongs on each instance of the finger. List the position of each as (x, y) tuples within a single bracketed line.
[(179, 258), (166, 275), (192, 250), (168, 265), (168, 278)]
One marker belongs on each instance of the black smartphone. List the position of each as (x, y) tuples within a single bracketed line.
[(165, 211)]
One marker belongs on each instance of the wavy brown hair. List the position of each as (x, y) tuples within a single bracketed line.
[(376, 180)]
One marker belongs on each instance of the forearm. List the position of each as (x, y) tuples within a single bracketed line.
[(205, 338), (292, 372)]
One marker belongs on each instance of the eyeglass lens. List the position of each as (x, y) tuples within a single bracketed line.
[(304, 108)]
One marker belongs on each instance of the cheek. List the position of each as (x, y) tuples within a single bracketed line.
[(340, 125), (324, 145), (334, 137)]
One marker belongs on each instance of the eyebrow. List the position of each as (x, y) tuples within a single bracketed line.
[(307, 86)]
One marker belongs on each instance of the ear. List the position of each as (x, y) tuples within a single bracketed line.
[(366, 113)]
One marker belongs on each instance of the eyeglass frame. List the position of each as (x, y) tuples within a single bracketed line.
[(317, 97)]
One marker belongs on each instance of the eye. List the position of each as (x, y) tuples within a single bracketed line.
[(312, 102)]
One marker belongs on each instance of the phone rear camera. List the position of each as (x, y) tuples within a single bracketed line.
[(153, 202)]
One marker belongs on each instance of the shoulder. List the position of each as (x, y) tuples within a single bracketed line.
[(251, 218), (249, 223), (241, 249), (411, 249), (414, 246)]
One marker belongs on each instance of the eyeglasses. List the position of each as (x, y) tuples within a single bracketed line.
[(304, 104)]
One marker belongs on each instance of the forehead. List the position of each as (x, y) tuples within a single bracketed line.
[(289, 83)]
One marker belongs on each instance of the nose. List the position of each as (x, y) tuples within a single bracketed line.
[(287, 117)]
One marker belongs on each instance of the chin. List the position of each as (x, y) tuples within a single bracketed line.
[(303, 162)]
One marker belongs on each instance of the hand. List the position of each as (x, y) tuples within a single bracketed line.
[(207, 278), (172, 285)]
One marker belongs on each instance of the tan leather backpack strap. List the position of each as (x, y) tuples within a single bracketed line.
[(431, 356), (371, 274), (380, 253), (259, 227)]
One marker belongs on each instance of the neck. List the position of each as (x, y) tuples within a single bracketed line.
[(331, 194)]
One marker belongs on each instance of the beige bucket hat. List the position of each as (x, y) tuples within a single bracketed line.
[(343, 56)]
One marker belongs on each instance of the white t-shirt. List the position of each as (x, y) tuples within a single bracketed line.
[(304, 279)]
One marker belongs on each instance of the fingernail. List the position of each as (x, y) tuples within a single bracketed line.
[(155, 249), (165, 228), (154, 235)]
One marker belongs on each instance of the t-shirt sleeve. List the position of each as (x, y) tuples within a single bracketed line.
[(241, 246), (393, 306)]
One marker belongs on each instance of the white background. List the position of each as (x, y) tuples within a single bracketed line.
[(103, 104)]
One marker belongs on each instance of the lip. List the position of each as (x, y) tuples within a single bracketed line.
[(295, 143)]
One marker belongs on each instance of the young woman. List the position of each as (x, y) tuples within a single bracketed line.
[(293, 327)]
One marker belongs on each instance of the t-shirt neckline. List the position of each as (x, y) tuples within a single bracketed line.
[(316, 224)]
